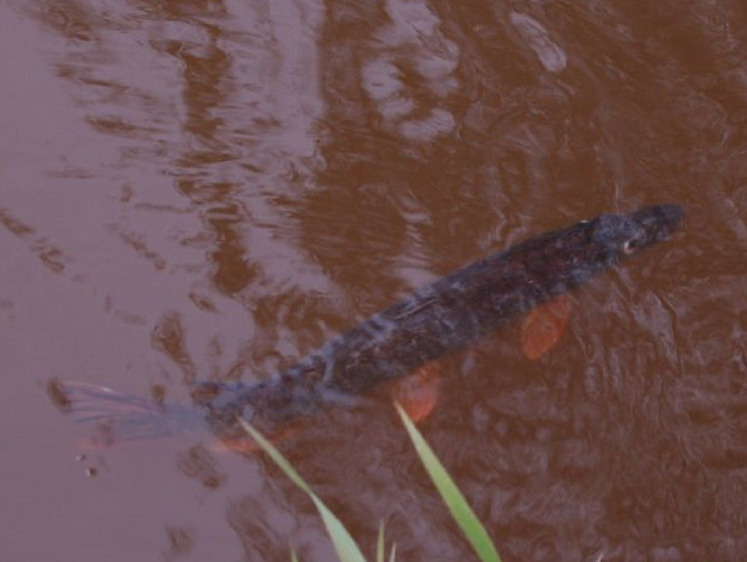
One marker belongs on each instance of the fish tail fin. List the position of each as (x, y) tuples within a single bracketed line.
[(118, 417)]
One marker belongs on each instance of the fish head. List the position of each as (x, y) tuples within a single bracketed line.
[(621, 236), (584, 250)]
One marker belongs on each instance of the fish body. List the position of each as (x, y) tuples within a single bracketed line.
[(441, 317), (435, 320)]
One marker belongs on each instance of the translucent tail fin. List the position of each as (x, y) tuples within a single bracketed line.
[(120, 418)]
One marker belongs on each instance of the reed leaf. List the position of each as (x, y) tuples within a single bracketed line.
[(460, 510), (346, 548)]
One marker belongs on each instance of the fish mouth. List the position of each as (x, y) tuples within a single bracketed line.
[(658, 221)]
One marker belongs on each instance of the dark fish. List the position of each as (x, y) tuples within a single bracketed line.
[(437, 319)]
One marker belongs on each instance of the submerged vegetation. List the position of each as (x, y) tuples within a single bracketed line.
[(345, 546)]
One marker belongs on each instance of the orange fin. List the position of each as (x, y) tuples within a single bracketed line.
[(418, 393), (238, 445), (544, 325), (245, 444)]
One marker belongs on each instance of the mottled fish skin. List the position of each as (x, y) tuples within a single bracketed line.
[(438, 319)]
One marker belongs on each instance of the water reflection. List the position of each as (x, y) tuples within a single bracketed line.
[(236, 182)]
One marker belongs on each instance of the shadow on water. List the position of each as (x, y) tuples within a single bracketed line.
[(209, 190)]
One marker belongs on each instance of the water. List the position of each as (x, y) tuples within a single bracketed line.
[(212, 189)]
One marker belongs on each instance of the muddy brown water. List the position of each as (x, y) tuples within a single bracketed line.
[(212, 189)]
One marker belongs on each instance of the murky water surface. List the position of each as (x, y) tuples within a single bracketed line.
[(194, 190)]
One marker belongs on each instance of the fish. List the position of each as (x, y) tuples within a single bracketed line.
[(434, 321)]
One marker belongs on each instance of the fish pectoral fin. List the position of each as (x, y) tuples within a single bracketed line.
[(417, 393), (544, 325)]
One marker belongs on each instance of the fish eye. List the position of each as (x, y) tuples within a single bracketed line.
[(629, 246)]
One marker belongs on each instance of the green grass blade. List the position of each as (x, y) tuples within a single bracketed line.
[(346, 548), (453, 498), (294, 558), (380, 544)]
